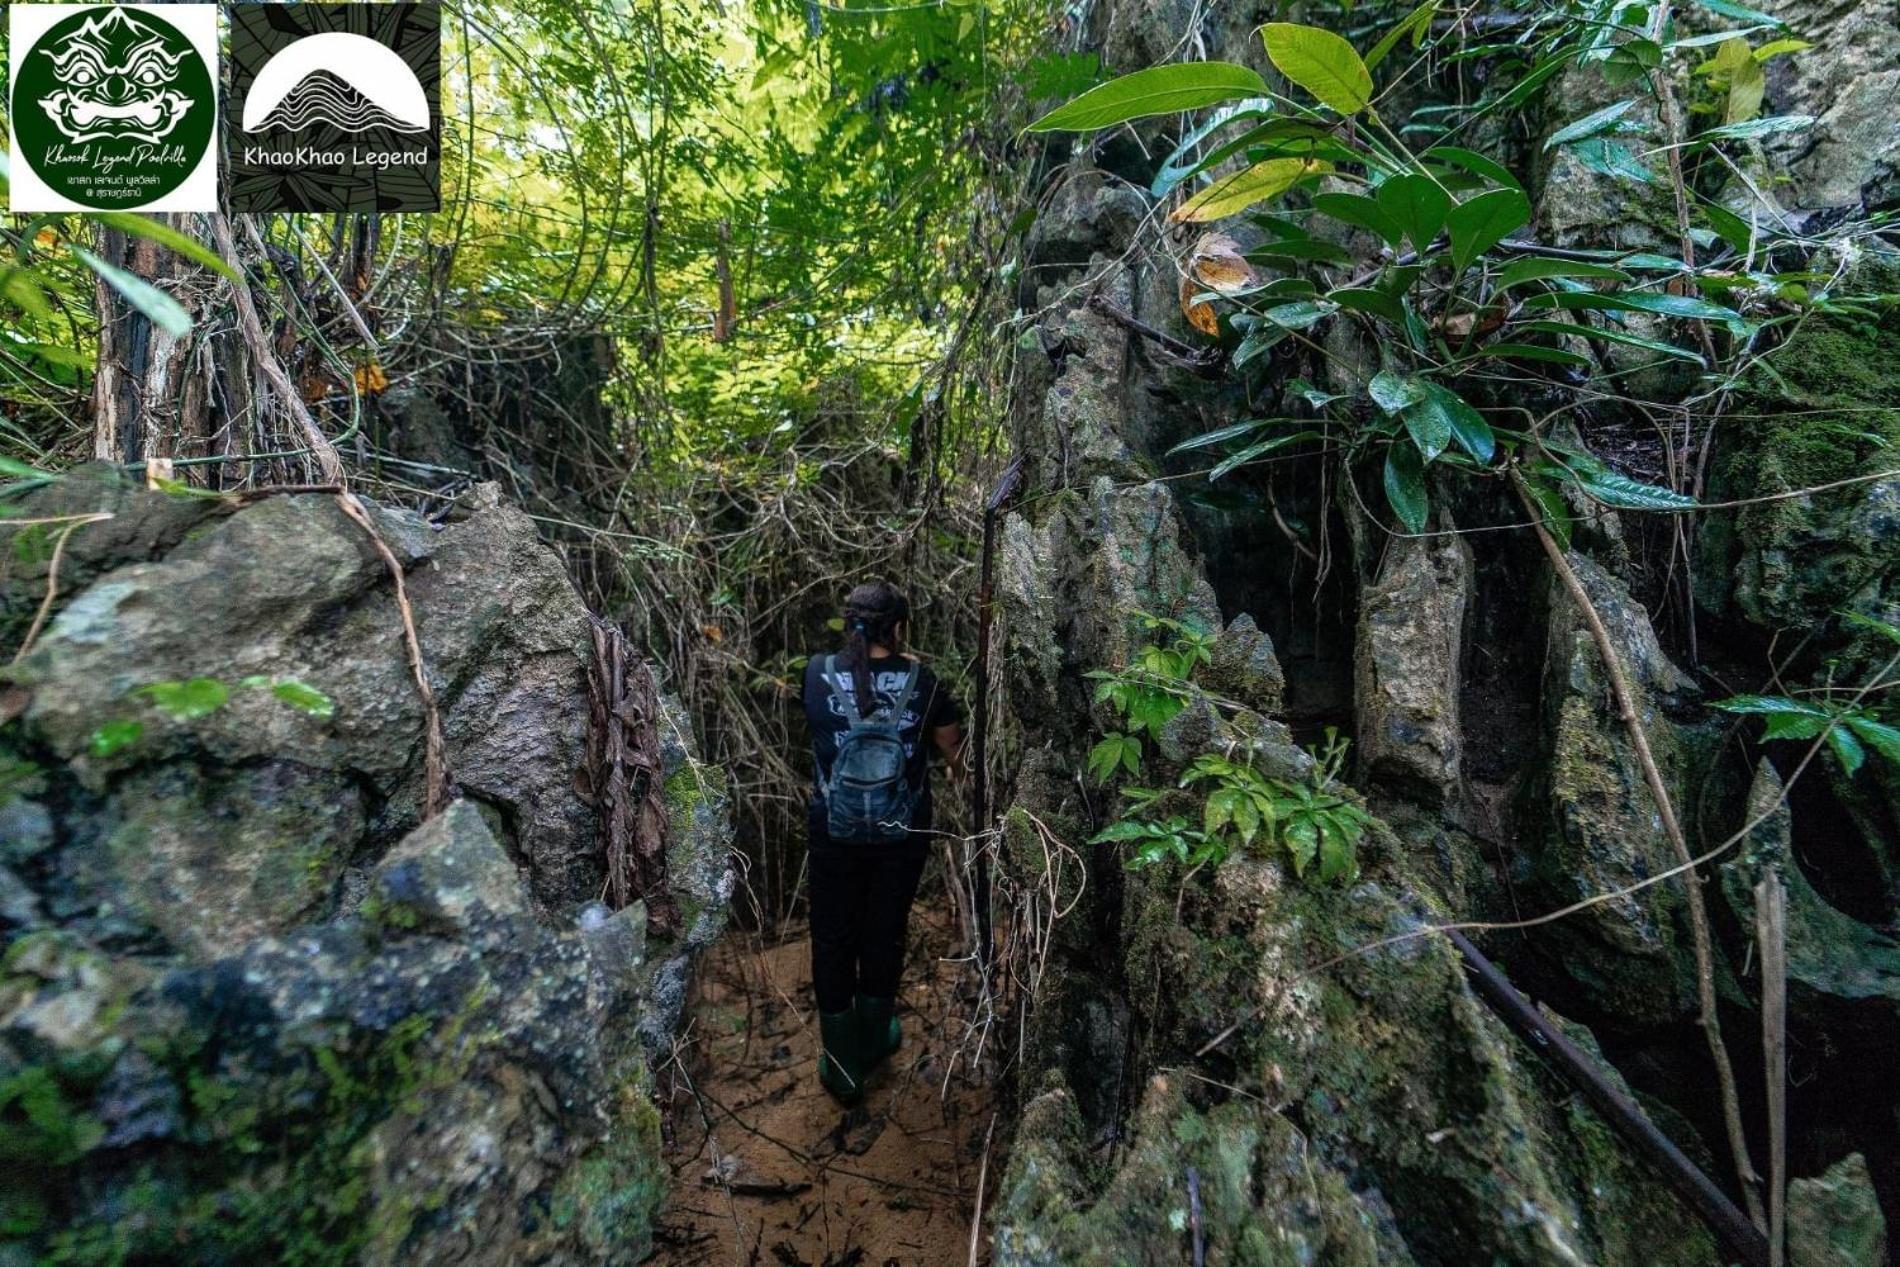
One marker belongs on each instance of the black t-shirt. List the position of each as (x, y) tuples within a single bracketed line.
[(930, 707)]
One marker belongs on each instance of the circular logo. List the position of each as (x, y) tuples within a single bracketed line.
[(114, 107)]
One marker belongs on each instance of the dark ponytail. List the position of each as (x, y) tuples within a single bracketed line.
[(872, 613)]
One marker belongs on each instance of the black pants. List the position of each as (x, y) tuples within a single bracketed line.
[(860, 911)]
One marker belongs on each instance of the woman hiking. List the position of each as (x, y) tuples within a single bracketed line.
[(875, 715)]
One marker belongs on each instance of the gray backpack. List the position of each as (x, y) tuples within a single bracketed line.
[(868, 798)]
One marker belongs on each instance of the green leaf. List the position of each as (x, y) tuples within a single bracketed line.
[(1233, 194), (1661, 303), (1592, 124), (1480, 223), (1375, 302), (1613, 336), (1253, 451), (1405, 486), (1766, 704), (188, 700), (1530, 352), (1467, 425), (1740, 13), (1473, 162), (1179, 165), (115, 736), (304, 698), (1417, 205), (166, 236), (1847, 748), (1302, 842), (1536, 268), (1357, 209), (1624, 493), (1883, 738), (1733, 229), (160, 308), (1613, 159), (1157, 90), (1320, 62), (1756, 127), (1125, 829), (1552, 508), (1429, 427), (17, 469), (1221, 435), (1416, 23), (1393, 392)]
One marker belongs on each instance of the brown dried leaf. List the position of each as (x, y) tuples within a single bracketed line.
[(1214, 263)]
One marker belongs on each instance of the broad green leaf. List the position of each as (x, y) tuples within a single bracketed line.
[(1221, 435), (1529, 352), (1302, 842), (1320, 62), (1613, 159), (304, 698), (1429, 426), (1552, 509), (1847, 748), (160, 308), (1537, 268), (1766, 704), (115, 736), (1405, 486), (1473, 162), (1233, 194), (1881, 737), (1480, 223), (1359, 210), (1597, 121), (1415, 23), (1179, 166), (1466, 424), (1613, 335), (1624, 493), (1740, 12), (1733, 229), (1685, 306), (187, 700), (1254, 451), (1126, 829), (1375, 302), (1780, 48), (166, 236), (1792, 726), (1157, 90), (1393, 392), (1417, 205), (1756, 127)]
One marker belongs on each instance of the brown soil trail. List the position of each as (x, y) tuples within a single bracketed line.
[(768, 1169)]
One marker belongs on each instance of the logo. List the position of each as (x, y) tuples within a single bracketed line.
[(335, 107), (113, 107)]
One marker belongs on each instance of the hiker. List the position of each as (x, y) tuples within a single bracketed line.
[(876, 715)]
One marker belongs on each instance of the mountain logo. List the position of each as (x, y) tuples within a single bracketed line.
[(349, 82), (334, 107), (113, 107)]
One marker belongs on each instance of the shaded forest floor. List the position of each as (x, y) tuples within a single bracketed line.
[(768, 1169)]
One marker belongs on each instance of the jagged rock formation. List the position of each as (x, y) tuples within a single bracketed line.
[(1366, 1108), (252, 1009)]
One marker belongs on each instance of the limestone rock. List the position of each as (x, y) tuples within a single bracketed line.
[(444, 872), (1834, 1220), (1411, 647), (1244, 668)]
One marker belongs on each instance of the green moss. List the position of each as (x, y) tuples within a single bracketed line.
[(611, 1194)]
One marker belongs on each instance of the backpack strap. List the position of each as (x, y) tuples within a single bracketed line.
[(845, 698), (903, 696)]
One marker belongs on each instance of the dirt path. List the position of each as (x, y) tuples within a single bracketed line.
[(768, 1169)]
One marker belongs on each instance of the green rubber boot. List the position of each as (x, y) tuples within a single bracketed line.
[(878, 1029), (841, 1062)]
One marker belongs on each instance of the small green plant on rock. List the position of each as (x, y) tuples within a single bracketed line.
[(1242, 807)]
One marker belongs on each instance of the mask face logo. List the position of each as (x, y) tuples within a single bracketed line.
[(117, 75), (113, 107)]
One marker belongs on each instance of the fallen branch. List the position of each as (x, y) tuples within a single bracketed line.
[(1729, 1224)]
